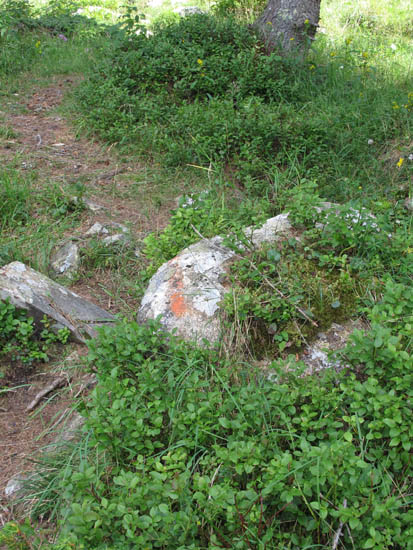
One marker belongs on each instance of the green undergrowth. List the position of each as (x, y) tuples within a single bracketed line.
[(280, 299), (202, 90), (21, 342), (46, 40), (284, 294), (188, 450), (200, 215)]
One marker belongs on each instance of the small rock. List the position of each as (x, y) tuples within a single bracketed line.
[(316, 355), (14, 487), (116, 225), (115, 239), (70, 429), (66, 260), (186, 11), (408, 204), (92, 206), (96, 229)]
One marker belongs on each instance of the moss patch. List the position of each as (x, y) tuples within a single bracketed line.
[(280, 299)]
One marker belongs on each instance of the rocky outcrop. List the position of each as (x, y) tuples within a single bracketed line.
[(27, 289), (186, 291), (316, 356)]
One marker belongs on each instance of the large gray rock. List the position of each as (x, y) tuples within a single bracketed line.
[(186, 291), (118, 238), (270, 231), (27, 289)]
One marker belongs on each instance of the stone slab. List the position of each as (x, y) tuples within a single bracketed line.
[(30, 290)]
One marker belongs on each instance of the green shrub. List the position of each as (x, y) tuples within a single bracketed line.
[(200, 455), (197, 89), (280, 298), (204, 215), (14, 13), (24, 535), (203, 90), (60, 17), (196, 216), (19, 339)]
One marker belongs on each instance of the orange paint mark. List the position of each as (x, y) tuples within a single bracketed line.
[(178, 305), (177, 300)]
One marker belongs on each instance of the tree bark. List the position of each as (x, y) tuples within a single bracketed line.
[(289, 24)]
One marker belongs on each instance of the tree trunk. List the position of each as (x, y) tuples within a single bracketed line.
[(289, 24)]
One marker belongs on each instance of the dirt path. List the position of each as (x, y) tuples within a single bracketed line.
[(41, 140), (46, 143)]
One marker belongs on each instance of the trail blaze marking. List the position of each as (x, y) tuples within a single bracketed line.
[(178, 304)]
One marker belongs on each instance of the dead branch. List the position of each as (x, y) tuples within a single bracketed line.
[(339, 530), (58, 383)]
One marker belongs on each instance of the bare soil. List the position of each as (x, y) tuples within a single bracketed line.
[(42, 140), (24, 434)]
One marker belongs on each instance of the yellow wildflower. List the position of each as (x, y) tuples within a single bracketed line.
[(37, 45), (306, 22), (401, 160), (292, 38), (200, 62), (312, 67), (269, 23)]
